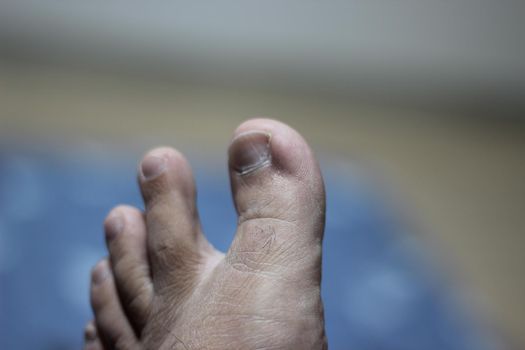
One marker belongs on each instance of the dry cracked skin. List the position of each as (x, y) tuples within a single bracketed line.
[(164, 286)]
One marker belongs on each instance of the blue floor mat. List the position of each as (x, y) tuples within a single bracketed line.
[(378, 293)]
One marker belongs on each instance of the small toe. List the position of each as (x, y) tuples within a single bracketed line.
[(94, 344), (91, 340), (125, 230), (113, 328), (176, 245), (279, 196)]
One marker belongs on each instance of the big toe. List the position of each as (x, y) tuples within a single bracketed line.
[(279, 196)]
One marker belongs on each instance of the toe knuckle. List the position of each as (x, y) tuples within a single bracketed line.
[(139, 304)]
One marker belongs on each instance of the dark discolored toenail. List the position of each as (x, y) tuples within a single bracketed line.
[(152, 166), (250, 151)]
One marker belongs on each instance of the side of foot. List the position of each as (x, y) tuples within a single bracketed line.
[(165, 287)]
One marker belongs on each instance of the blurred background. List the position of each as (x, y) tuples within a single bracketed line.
[(414, 108)]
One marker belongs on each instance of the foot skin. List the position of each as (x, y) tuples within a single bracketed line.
[(165, 287)]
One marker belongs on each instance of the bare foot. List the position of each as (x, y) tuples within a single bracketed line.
[(165, 287)]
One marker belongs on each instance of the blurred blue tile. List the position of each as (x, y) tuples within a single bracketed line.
[(378, 293)]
